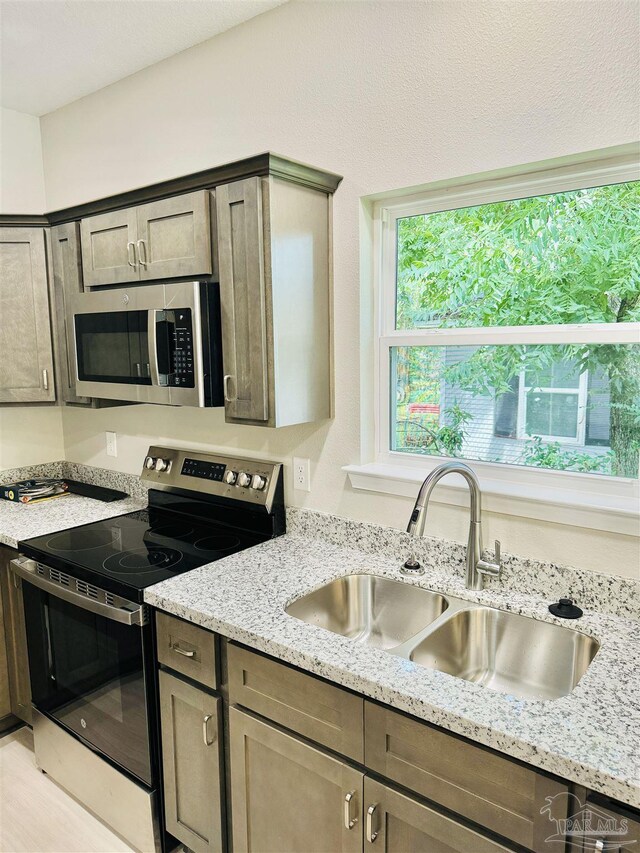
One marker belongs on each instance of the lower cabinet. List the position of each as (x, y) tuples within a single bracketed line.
[(395, 823), (15, 635), (191, 751), (288, 796)]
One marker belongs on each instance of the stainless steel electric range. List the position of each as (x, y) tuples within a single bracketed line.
[(90, 637)]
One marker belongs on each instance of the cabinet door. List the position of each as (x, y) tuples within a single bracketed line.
[(16, 639), (174, 236), (613, 831), (26, 366), (489, 789), (241, 259), (67, 281), (190, 722), (395, 823), (109, 248), (287, 796)]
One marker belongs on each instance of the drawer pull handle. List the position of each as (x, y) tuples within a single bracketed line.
[(187, 653), (371, 835), (131, 253), (205, 730), (349, 822)]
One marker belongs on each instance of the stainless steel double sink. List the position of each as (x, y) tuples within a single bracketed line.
[(513, 654)]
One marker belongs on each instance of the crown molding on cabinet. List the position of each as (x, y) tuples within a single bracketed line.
[(22, 220), (258, 166)]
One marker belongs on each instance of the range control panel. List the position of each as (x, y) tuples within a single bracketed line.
[(232, 477)]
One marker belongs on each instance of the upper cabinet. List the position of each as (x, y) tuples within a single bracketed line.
[(67, 281), (273, 255), (169, 238), (26, 366)]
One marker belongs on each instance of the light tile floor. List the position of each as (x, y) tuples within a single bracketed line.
[(36, 816)]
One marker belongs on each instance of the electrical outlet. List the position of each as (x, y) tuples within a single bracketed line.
[(112, 444), (301, 474)]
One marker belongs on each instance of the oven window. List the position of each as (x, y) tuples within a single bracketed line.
[(87, 673), (113, 346)]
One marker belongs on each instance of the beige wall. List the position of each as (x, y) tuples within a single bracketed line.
[(21, 172), (28, 434), (389, 95)]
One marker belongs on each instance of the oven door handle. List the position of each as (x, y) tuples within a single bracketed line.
[(132, 614)]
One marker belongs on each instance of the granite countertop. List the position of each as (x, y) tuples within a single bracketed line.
[(23, 521), (591, 736)]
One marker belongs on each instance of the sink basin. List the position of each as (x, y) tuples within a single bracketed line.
[(508, 653), (370, 609)]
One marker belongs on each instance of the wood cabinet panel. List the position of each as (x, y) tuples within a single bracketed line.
[(319, 711), (174, 237), (395, 823), (67, 281), (495, 792), (191, 750), (287, 796), (15, 634), (26, 366), (108, 248), (187, 648), (241, 248)]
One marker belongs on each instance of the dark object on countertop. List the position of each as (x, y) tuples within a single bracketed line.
[(565, 609), (30, 491), (99, 493)]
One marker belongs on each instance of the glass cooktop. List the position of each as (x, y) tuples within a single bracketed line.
[(133, 551)]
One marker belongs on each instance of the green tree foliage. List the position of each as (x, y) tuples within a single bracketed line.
[(565, 258)]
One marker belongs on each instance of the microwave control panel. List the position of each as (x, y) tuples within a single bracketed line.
[(183, 374)]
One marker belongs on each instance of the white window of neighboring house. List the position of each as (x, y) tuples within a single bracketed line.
[(553, 405), (508, 308)]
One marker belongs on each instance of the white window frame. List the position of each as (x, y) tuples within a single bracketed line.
[(593, 500)]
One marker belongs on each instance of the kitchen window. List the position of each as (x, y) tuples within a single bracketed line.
[(509, 329)]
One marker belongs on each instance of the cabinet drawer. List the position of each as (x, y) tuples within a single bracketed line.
[(319, 711), (187, 648), (494, 792)]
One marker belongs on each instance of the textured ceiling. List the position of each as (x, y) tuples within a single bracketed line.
[(55, 51)]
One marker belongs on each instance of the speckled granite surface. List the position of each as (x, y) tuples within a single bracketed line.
[(591, 736), (22, 521), (592, 590)]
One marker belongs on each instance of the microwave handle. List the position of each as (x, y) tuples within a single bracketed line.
[(159, 347)]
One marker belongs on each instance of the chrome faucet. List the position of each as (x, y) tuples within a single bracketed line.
[(476, 567)]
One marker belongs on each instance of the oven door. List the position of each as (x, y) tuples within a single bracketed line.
[(140, 344), (87, 665)]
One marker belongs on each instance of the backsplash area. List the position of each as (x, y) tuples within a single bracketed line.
[(591, 590), (129, 483), (605, 593)]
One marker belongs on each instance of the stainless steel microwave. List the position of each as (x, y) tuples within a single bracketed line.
[(149, 344)]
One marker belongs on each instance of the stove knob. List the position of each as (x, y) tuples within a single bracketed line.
[(258, 482), (161, 464), (149, 462), (230, 477), (243, 479)]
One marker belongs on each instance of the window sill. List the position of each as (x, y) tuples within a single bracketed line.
[(572, 500)]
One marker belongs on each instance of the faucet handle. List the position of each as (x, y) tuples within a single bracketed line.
[(484, 567)]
